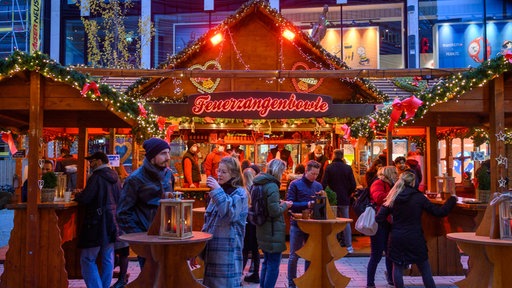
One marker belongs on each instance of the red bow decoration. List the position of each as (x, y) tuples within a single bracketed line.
[(161, 122), (90, 86), (508, 56), (409, 105), (346, 131), (142, 111), (170, 130), (7, 138), (247, 122), (353, 141), (373, 123), (416, 80), (209, 120)]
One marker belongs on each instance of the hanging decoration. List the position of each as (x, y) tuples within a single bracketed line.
[(142, 111), (7, 138), (161, 123), (305, 84), (502, 182), (206, 85), (409, 105), (502, 160), (90, 86), (500, 136)]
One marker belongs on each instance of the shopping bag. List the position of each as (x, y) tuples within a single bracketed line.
[(366, 222)]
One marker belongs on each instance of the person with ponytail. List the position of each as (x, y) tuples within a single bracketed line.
[(386, 177), (405, 204)]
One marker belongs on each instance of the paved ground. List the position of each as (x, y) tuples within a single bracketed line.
[(353, 267)]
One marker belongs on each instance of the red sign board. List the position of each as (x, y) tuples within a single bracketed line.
[(257, 105)]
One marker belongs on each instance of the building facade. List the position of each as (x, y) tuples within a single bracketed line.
[(376, 34)]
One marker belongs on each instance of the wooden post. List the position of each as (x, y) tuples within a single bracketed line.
[(83, 148), (389, 146), (431, 156), (496, 95), (34, 194)]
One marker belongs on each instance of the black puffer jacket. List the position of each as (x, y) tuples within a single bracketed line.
[(99, 226), (407, 244)]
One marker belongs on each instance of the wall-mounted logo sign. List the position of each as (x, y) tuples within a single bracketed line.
[(206, 85), (256, 105), (305, 85)]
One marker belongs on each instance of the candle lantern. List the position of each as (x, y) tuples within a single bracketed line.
[(176, 218)]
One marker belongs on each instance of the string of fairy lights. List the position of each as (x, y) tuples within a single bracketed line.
[(115, 101)]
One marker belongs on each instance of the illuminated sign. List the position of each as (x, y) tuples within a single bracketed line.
[(259, 104)]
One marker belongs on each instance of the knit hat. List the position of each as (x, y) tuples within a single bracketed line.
[(190, 143), (153, 146)]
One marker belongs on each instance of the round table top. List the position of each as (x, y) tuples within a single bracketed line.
[(330, 221), (144, 238), (471, 237)]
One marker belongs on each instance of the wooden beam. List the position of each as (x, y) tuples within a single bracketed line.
[(32, 262), (197, 73), (497, 120)]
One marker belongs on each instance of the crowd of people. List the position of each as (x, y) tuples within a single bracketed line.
[(113, 207)]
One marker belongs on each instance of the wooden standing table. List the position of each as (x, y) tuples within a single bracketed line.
[(322, 249), (488, 260), (166, 259)]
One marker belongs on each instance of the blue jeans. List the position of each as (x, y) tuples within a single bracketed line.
[(92, 277), (297, 240), (426, 274), (379, 245), (270, 269), (347, 233)]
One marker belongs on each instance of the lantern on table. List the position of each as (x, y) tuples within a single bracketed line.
[(176, 218)]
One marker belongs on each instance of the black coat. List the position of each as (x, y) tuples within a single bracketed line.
[(407, 244), (99, 226), (339, 177)]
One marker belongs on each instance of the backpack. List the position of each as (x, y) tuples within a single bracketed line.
[(258, 212), (362, 200)]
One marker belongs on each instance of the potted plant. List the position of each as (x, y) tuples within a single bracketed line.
[(483, 176), (49, 187)]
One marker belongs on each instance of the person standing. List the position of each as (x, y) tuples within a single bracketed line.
[(380, 188), (144, 188), (47, 167), (271, 235), (250, 242), (318, 156), (211, 163), (225, 219), (301, 193), (407, 242), (415, 166), (400, 164), (68, 165), (98, 231), (339, 177), (190, 164), (282, 153)]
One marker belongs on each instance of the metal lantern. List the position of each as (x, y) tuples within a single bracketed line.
[(176, 218)]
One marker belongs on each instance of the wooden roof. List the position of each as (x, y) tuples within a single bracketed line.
[(63, 104), (253, 42)]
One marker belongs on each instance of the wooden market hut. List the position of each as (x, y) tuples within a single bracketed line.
[(252, 40), (37, 93)]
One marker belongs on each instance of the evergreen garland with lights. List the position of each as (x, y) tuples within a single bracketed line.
[(18, 61), (445, 90)]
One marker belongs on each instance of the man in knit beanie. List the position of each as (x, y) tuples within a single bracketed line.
[(190, 164), (144, 188)]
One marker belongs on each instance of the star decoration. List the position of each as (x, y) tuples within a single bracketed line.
[(502, 160), (502, 182), (501, 136)]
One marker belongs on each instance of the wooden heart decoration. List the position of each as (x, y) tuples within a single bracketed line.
[(206, 85), (124, 149), (305, 84)]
